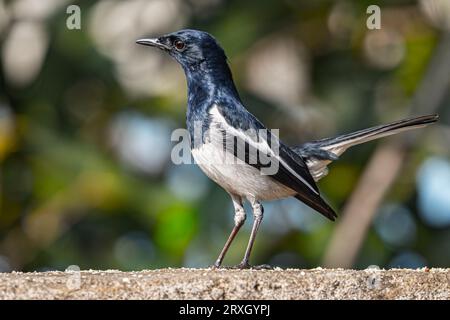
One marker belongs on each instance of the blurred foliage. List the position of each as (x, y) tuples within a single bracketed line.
[(85, 170)]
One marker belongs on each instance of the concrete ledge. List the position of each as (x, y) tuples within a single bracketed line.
[(229, 284)]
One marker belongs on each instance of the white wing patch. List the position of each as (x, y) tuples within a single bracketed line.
[(262, 146)]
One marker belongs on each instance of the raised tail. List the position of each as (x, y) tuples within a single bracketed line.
[(318, 154)]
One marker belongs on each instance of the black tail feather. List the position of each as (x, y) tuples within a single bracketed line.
[(368, 134), (318, 154)]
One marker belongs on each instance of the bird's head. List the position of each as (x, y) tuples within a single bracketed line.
[(191, 48)]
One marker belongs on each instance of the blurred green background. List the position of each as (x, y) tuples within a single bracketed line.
[(86, 117)]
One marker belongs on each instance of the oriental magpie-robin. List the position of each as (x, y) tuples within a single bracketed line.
[(214, 103)]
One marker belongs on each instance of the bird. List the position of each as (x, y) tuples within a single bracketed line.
[(215, 109)]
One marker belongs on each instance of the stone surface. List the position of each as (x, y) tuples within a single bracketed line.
[(229, 284)]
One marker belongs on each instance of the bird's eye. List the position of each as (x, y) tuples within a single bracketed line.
[(179, 45)]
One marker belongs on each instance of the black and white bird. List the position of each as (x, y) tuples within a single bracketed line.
[(215, 107)]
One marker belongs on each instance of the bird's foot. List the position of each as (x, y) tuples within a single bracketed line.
[(243, 265), (246, 265), (220, 267), (217, 265)]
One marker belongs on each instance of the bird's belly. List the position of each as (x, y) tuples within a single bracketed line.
[(237, 177)]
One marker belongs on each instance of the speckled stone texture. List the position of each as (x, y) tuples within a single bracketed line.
[(229, 284)]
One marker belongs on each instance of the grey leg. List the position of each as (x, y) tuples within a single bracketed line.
[(239, 219), (258, 211)]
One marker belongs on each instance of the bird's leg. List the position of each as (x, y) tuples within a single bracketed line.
[(258, 212), (239, 219)]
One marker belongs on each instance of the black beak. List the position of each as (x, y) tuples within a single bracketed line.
[(153, 43)]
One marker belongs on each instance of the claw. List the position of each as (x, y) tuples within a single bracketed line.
[(246, 265), (216, 266), (243, 265)]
